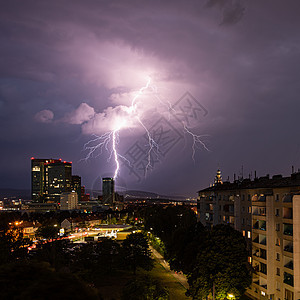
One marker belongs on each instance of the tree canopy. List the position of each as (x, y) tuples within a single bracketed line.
[(136, 252), (221, 267)]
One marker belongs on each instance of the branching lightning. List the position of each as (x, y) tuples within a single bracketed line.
[(112, 137)]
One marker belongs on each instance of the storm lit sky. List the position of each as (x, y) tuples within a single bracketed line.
[(69, 71)]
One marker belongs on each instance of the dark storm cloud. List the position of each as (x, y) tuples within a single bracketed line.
[(74, 58), (232, 11)]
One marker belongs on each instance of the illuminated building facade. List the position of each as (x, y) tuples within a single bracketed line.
[(108, 190), (267, 212), (50, 178), (69, 201)]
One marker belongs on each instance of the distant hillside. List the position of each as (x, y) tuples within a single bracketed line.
[(139, 194), (6, 193), (143, 194), (26, 194)]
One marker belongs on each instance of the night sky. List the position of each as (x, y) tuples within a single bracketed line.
[(70, 69)]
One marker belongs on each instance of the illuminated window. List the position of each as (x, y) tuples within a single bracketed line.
[(244, 233), (249, 234)]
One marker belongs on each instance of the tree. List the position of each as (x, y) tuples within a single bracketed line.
[(144, 288), (37, 281), (47, 232), (163, 222), (184, 247), (136, 252), (221, 267)]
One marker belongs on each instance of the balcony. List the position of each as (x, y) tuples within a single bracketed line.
[(258, 211), (289, 265), (261, 225), (288, 279), (288, 199), (288, 248), (287, 213), (288, 229)]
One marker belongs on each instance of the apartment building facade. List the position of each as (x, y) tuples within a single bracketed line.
[(267, 212)]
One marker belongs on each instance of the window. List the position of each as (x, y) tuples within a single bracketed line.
[(277, 212), (289, 295), (244, 233), (243, 197), (243, 208), (249, 209), (249, 197), (277, 227), (277, 198), (249, 234), (263, 268), (277, 256), (243, 221), (277, 242), (277, 285), (278, 272)]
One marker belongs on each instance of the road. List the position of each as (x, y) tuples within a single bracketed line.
[(179, 277)]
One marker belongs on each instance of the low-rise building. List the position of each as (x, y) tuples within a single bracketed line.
[(69, 201)]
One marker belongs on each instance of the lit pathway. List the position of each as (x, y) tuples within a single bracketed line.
[(179, 277)]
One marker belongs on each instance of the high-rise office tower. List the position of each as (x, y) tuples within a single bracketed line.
[(37, 179), (50, 178), (76, 185), (59, 177), (108, 190)]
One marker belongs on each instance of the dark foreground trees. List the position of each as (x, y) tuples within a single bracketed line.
[(136, 252), (144, 288), (30, 280), (221, 266)]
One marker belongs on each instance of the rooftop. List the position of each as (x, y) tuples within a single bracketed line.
[(275, 181)]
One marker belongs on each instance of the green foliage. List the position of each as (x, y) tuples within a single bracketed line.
[(157, 244), (136, 252), (221, 265), (144, 288)]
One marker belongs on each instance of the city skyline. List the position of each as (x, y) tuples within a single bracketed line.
[(66, 67)]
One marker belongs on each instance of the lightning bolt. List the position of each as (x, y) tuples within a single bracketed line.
[(112, 137), (197, 139)]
